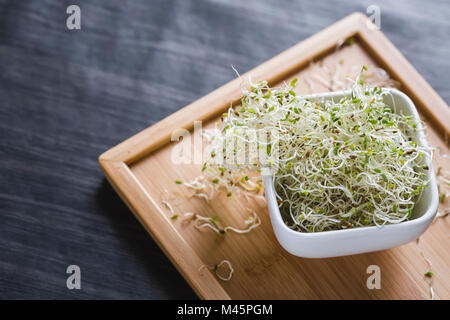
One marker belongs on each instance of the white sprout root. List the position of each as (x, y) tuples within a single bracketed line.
[(168, 205), (216, 267), (201, 187), (429, 276), (338, 164), (201, 222)]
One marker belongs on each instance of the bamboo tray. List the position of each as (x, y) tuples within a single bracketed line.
[(140, 168)]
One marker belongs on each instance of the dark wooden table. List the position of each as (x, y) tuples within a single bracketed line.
[(67, 96)]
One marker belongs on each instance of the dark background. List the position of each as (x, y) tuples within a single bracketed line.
[(67, 96)]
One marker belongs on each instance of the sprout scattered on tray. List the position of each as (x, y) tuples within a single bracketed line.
[(216, 268), (201, 222)]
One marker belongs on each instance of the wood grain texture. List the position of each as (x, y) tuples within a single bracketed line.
[(68, 96), (141, 169)]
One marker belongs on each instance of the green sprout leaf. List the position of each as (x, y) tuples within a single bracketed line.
[(294, 82)]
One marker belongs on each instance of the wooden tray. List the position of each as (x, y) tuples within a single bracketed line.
[(140, 169)]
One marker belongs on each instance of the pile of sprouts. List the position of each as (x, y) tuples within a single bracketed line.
[(336, 163)]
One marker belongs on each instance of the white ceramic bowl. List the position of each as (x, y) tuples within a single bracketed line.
[(365, 239)]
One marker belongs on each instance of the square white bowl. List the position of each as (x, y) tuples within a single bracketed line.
[(365, 239)]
